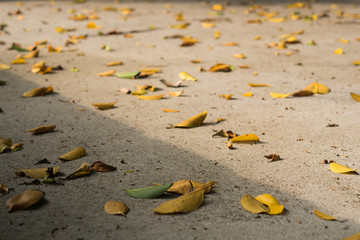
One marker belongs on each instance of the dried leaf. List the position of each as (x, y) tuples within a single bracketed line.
[(221, 133), (220, 67), (356, 62), (115, 207), (32, 54), (258, 85), (148, 192), (41, 91), (355, 96), (52, 49), (229, 145), (196, 60), (194, 121), (207, 24), (317, 88), (186, 77), (83, 170), (239, 55), (279, 95), (273, 157), (102, 167), (252, 205), (128, 75), (92, 25), (247, 138), (40, 67), (74, 154), (184, 186), (139, 92), (5, 144), (229, 44), (150, 70), (3, 189), (217, 7), (220, 120), (104, 106), (4, 66), (217, 34), (169, 110), (337, 168), (176, 94), (169, 84), (247, 94), (24, 200), (107, 73), (324, 216), (36, 172), (338, 51), (125, 90), (256, 38), (42, 129), (356, 236), (16, 147), (114, 63), (153, 97), (18, 61), (226, 96), (180, 26), (243, 66), (272, 203), (303, 93)]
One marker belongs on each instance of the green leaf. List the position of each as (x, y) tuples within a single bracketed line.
[(127, 75), (148, 192), (17, 48)]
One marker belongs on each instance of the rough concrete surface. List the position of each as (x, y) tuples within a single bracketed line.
[(135, 131)]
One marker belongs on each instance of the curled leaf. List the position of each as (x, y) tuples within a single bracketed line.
[(40, 67), (104, 106), (169, 110), (303, 93), (102, 167), (38, 92), (16, 147), (252, 205), (83, 170), (258, 85), (220, 67), (324, 216), (337, 168), (176, 94), (36, 172), (273, 157), (226, 96), (114, 63), (229, 44), (356, 62), (243, 66), (32, 54), (279, 95), (169, 84), (317, 88), (247, 138), (186, 77), (153, 97), (148, 192), (42, 129), (194, 121), (272, 203), (3, 189), (107, 73), (5, 144), (24, 200), (184, 186), (116, 207), (74, 154), (221, 133), (355, 96)]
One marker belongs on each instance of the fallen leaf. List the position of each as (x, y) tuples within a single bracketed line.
[(272, 203), (273, 157), (74, 154), (303, 93), (139, 92), (4, 66), (150, 70), (356, 236), (338, 51), (243, 66), (239, 55), (220, 67), (116, 207), (194, 121), (247, 94), (279, 95), (3, 189), (104, 106), (114, 63), (229, 44), (355, 96), (324, 216), (276, 20), (258, 85), (42, 129), (337, 168), (229, 145), (153, 97), (128, 75), (52, 49), (226, 96), (176, 94), (332, 125), (186, 77), (41, 91), (180, 26), (16, 147), (36, 172), (247, 138), (252, 205), (169, 110), (179, 17), (217, 7), (24, 200), (257, 38), (32, 54), (40, 67), (217, 34), (317, 88), (92, 25), (5, 144), (184, 186), (75, 69), (220, 133), (102, 167), (199, 61), (17, 47), (148, 192), (207, 24), (356, 62), (220, 120), (169, 84), (18, 61), (83, 170), (107, 73)]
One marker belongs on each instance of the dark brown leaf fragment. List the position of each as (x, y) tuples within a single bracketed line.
[(303, 93), (273, 157), (102, 167)]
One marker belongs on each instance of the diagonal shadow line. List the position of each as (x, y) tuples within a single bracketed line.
[(77, 208)]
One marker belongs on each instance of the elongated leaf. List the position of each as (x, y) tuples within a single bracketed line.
[(258, 85), (194, 121), (104, 106), (324, 216), (4, 66), (116, 207), (42, 129), (127, 75), (36, 172), (17, 48), (5, 144), (153, 97), (74, 154), (148, 192), (247, 138), (337, 168), (356, 236), (114, 63), (169, 110), (3, 189), (279, 95), (107, 73), (41, 91), (83, 170), (24, 200), (317, 88), (176, 94), (184, 76), (183, 186), (102, 167), (247, 94), (355, 96), (252, 205)]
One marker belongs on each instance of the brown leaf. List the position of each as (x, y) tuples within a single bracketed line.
[(303, 93), (42, 129), (220, 67), (102, 167), (169, 84), (24, 200), (273, 157), (220, 133), (3, 189)]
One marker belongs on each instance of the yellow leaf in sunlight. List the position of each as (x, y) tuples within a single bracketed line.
[(176, 94), (247, 94), (107, 73), (258, 85), (146, 87), (179, 17), (207, 24), (243, 66), (220, 120), (239, 55), (324, 216), (18, 61), (217, 7), (272, 203), (74, 154), (115, 207), (220, 67), (32, 54), (115, 63), (104, 106), (279, 95), (92, 25), (255, 74), (42, 129), (139, 92), (194, 121), (356, 236), (337, 168), (217, 34), (83, 170), (247, 138), (258, 37), (184, 186), (24, 200), (186, 77), (356, 62), (252, 205), (317, 88), (42, 42), (41, 91), (150, 70), (276, 20), (184, 204), (180, 26), (229, 44), (40, 67), (153, 97), (36, 172), (226, 96), (342, 40), (338, 51), (126, 10), (297, 5), (301, 31), (355, 96), (4, 66), (169, 110), (196, 60)]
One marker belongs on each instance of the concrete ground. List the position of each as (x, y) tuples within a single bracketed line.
[(135, 131)]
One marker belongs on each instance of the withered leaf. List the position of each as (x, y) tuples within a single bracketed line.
[(107, 73), (184, 76), (229, 145), (74, 154), (42, 129), (5, 144), (324, 216), (153, 97), (24, 200), (83, 170), (3, 189), (36, 172), (220, 67), (116, 207), (169, 110), (169, 84), (303, 93), (221, 133), (176, 94), (104, 106), (42, 161), (273, 157), (41, 91), (184, 186), (16, 147), (102, 167)]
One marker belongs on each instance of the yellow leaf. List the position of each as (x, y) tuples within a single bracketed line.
[(57, 49), (339, 51), (179, 17), (139, 92), (150, 70), (276, 20), (258, 85), (247, 138), (169, 110), (194, 121), (183, 186), (243, 66), (356, 236), (5, 144), (355, 96), (226, 96), (220, 67), (114, 63), (32, 54), (179, 26), (92, 25), (317, 88), (356, 62), (247, 94), (104, 106), (38, 92), (324, 216), (217, 34), (239, 55), (36, 172), (74, 154), (184, 204), (220, 120), (207, 25), (18, 61), (342, 40), (107, 73), (252, 205), (301, 31), (42, 42), (229, 44), (153, 97), (258, 37), (115, 207), (42, 129), (4, 66), (186, 77), (271, 202), (337, 168), (255, 74), (83, 170), (279, 95), (24, 200), (196, 60), (217, 7), (176, 94)]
